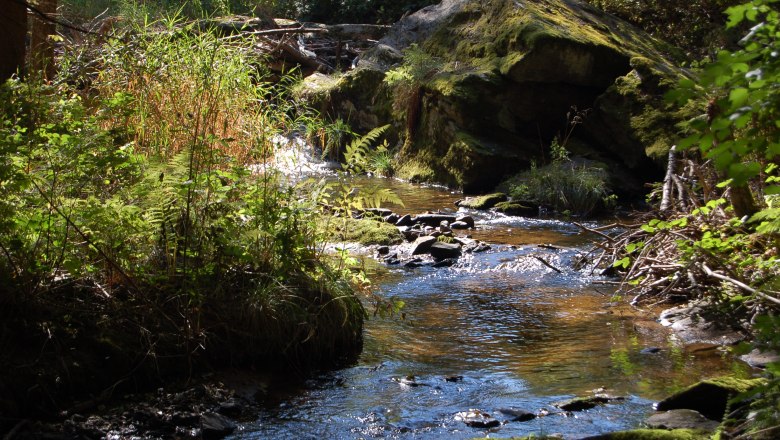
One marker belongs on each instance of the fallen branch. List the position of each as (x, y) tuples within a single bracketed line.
[(599, 233), (543, 261), (739, 284)]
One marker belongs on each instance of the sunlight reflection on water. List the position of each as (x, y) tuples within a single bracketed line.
[(519, 333)]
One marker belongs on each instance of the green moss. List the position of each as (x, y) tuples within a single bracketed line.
[(363, 231), (654, 434), (484, 202), (483, 36), (710, 397), (415, 170), (734, 384), (463, 83), (315, 85), (515, 208)]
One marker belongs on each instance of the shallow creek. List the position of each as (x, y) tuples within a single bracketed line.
[(497, 330)]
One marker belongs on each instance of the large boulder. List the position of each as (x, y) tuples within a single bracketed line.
[(709, 397), (495, 82)]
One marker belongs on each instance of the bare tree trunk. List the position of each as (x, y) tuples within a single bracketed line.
[(42, 46), (742, 200), (13, 32), (671, 167)]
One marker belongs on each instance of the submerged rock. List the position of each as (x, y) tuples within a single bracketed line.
[(215, 426), (696, 323), (681, 419), (582, 403), (447, 262), (759, 359), (517, 415), (477, 419), (459, 225)]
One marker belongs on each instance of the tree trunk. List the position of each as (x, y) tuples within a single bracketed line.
[(42, 46), (742, 200), (667, 196), (13, 32)]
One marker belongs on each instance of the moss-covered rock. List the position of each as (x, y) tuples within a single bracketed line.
[(364, 231), (653, 434), (525, 209), (483, 202), (504, 77), (709, 397)]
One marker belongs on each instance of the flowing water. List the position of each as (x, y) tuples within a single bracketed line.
[(497, 330)]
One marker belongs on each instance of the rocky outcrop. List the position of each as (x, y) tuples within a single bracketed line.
[(489, 84), (709, 397)]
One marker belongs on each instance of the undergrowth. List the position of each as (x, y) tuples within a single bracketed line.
[(715, 238), (570, 187), (129, 189)]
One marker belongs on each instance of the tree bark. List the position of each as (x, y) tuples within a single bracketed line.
[(671, 167), (13, 31), (742, 200), (42, 46)]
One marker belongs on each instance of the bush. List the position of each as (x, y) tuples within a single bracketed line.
[(129, 210), (566, 186), (695, 26)]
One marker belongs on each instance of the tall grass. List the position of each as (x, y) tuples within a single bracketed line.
[(565, 185)]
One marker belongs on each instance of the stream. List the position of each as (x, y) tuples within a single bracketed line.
[(497, 330)]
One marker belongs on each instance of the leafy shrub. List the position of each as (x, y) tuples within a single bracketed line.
[(696, 26), (153, 186)]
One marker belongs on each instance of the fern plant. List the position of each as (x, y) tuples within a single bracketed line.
[(358, 154)]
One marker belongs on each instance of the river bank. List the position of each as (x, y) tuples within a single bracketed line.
[(496, 330)]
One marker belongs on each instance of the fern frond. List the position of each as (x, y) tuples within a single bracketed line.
[(357, 152), (769, 220), (374, 197)]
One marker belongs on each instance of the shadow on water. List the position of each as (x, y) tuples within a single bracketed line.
[(497, 330)]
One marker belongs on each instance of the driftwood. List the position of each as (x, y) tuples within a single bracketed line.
[(315, 47), (739, 284), (546, 263)]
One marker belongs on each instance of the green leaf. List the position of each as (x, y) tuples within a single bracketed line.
[(742, 172), (736, 15), (739, 97), (772, 190), (623, 262)]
